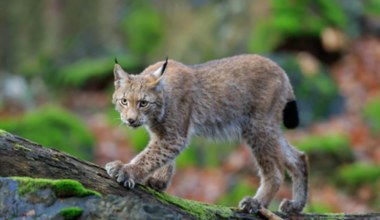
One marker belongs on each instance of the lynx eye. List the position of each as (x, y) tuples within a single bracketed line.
[(143, 103), (124, 101)]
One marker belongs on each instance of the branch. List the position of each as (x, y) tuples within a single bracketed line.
[(20, 157)]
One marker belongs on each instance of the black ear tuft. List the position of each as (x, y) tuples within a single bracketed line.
[(164, 66), (116, 62)]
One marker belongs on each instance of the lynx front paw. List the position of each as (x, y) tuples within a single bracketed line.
[(113, 168), (122, 172), (126, 176), (289, 206), (250, 205), (157, 184)]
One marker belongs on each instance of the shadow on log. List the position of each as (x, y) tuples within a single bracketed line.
[(20, 157)]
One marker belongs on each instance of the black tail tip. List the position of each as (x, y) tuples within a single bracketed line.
[(116, 62), (290, 115)]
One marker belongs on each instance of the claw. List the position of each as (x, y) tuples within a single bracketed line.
[(119, 179), (126, 184), (129, 184), (244, 206), (108, 170), (250, 205)]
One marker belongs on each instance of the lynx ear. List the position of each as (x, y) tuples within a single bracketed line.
[(158, 73), (119, 74)]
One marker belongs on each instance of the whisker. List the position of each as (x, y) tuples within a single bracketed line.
[(121, 124)]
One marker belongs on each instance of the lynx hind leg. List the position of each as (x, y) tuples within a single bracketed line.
[(265, 149), (297, 165), (161, 178)]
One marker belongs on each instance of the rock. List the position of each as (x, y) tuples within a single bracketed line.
[(43, 203)]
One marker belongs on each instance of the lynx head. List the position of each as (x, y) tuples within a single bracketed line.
[(139, 98)]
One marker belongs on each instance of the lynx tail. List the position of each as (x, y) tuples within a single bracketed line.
[(290, 115)]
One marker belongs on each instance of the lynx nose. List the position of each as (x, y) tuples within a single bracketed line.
[(131, 121)]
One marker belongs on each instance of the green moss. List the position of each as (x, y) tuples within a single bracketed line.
[(339, 216), (61, 188), (197, 209), (53, 126), (3, 133), (19, 146), (358, 174), (71, 213)]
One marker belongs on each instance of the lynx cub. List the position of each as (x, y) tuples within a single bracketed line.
[(244, 97)]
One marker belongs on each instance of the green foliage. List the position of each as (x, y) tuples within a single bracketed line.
[(197, 209), (41, 64), (236, 193), (112, 115), (335, 144), (298, 18), (262, 32), (71, 213), (357, 174), (372, 7), (61, 188), (326, 151), (82, 71), (53, 126), (143, 28), (371, 113), (139, 138), (200, 152), (189, 157), (317, 94), (204, 152), (331, 13), (318, 207)]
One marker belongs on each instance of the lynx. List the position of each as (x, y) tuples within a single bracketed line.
[(242, 97)]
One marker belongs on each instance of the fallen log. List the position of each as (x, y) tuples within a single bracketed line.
[(23, 158)]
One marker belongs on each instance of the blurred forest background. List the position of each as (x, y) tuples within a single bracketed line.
[(56, 82)]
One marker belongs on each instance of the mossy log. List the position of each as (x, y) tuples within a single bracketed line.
[(21, 157)]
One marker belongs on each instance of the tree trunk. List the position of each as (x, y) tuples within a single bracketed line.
[(20, 157)]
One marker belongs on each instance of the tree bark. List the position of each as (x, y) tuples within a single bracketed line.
[(21, 157)]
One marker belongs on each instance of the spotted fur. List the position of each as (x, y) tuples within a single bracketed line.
[(242, 97)]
